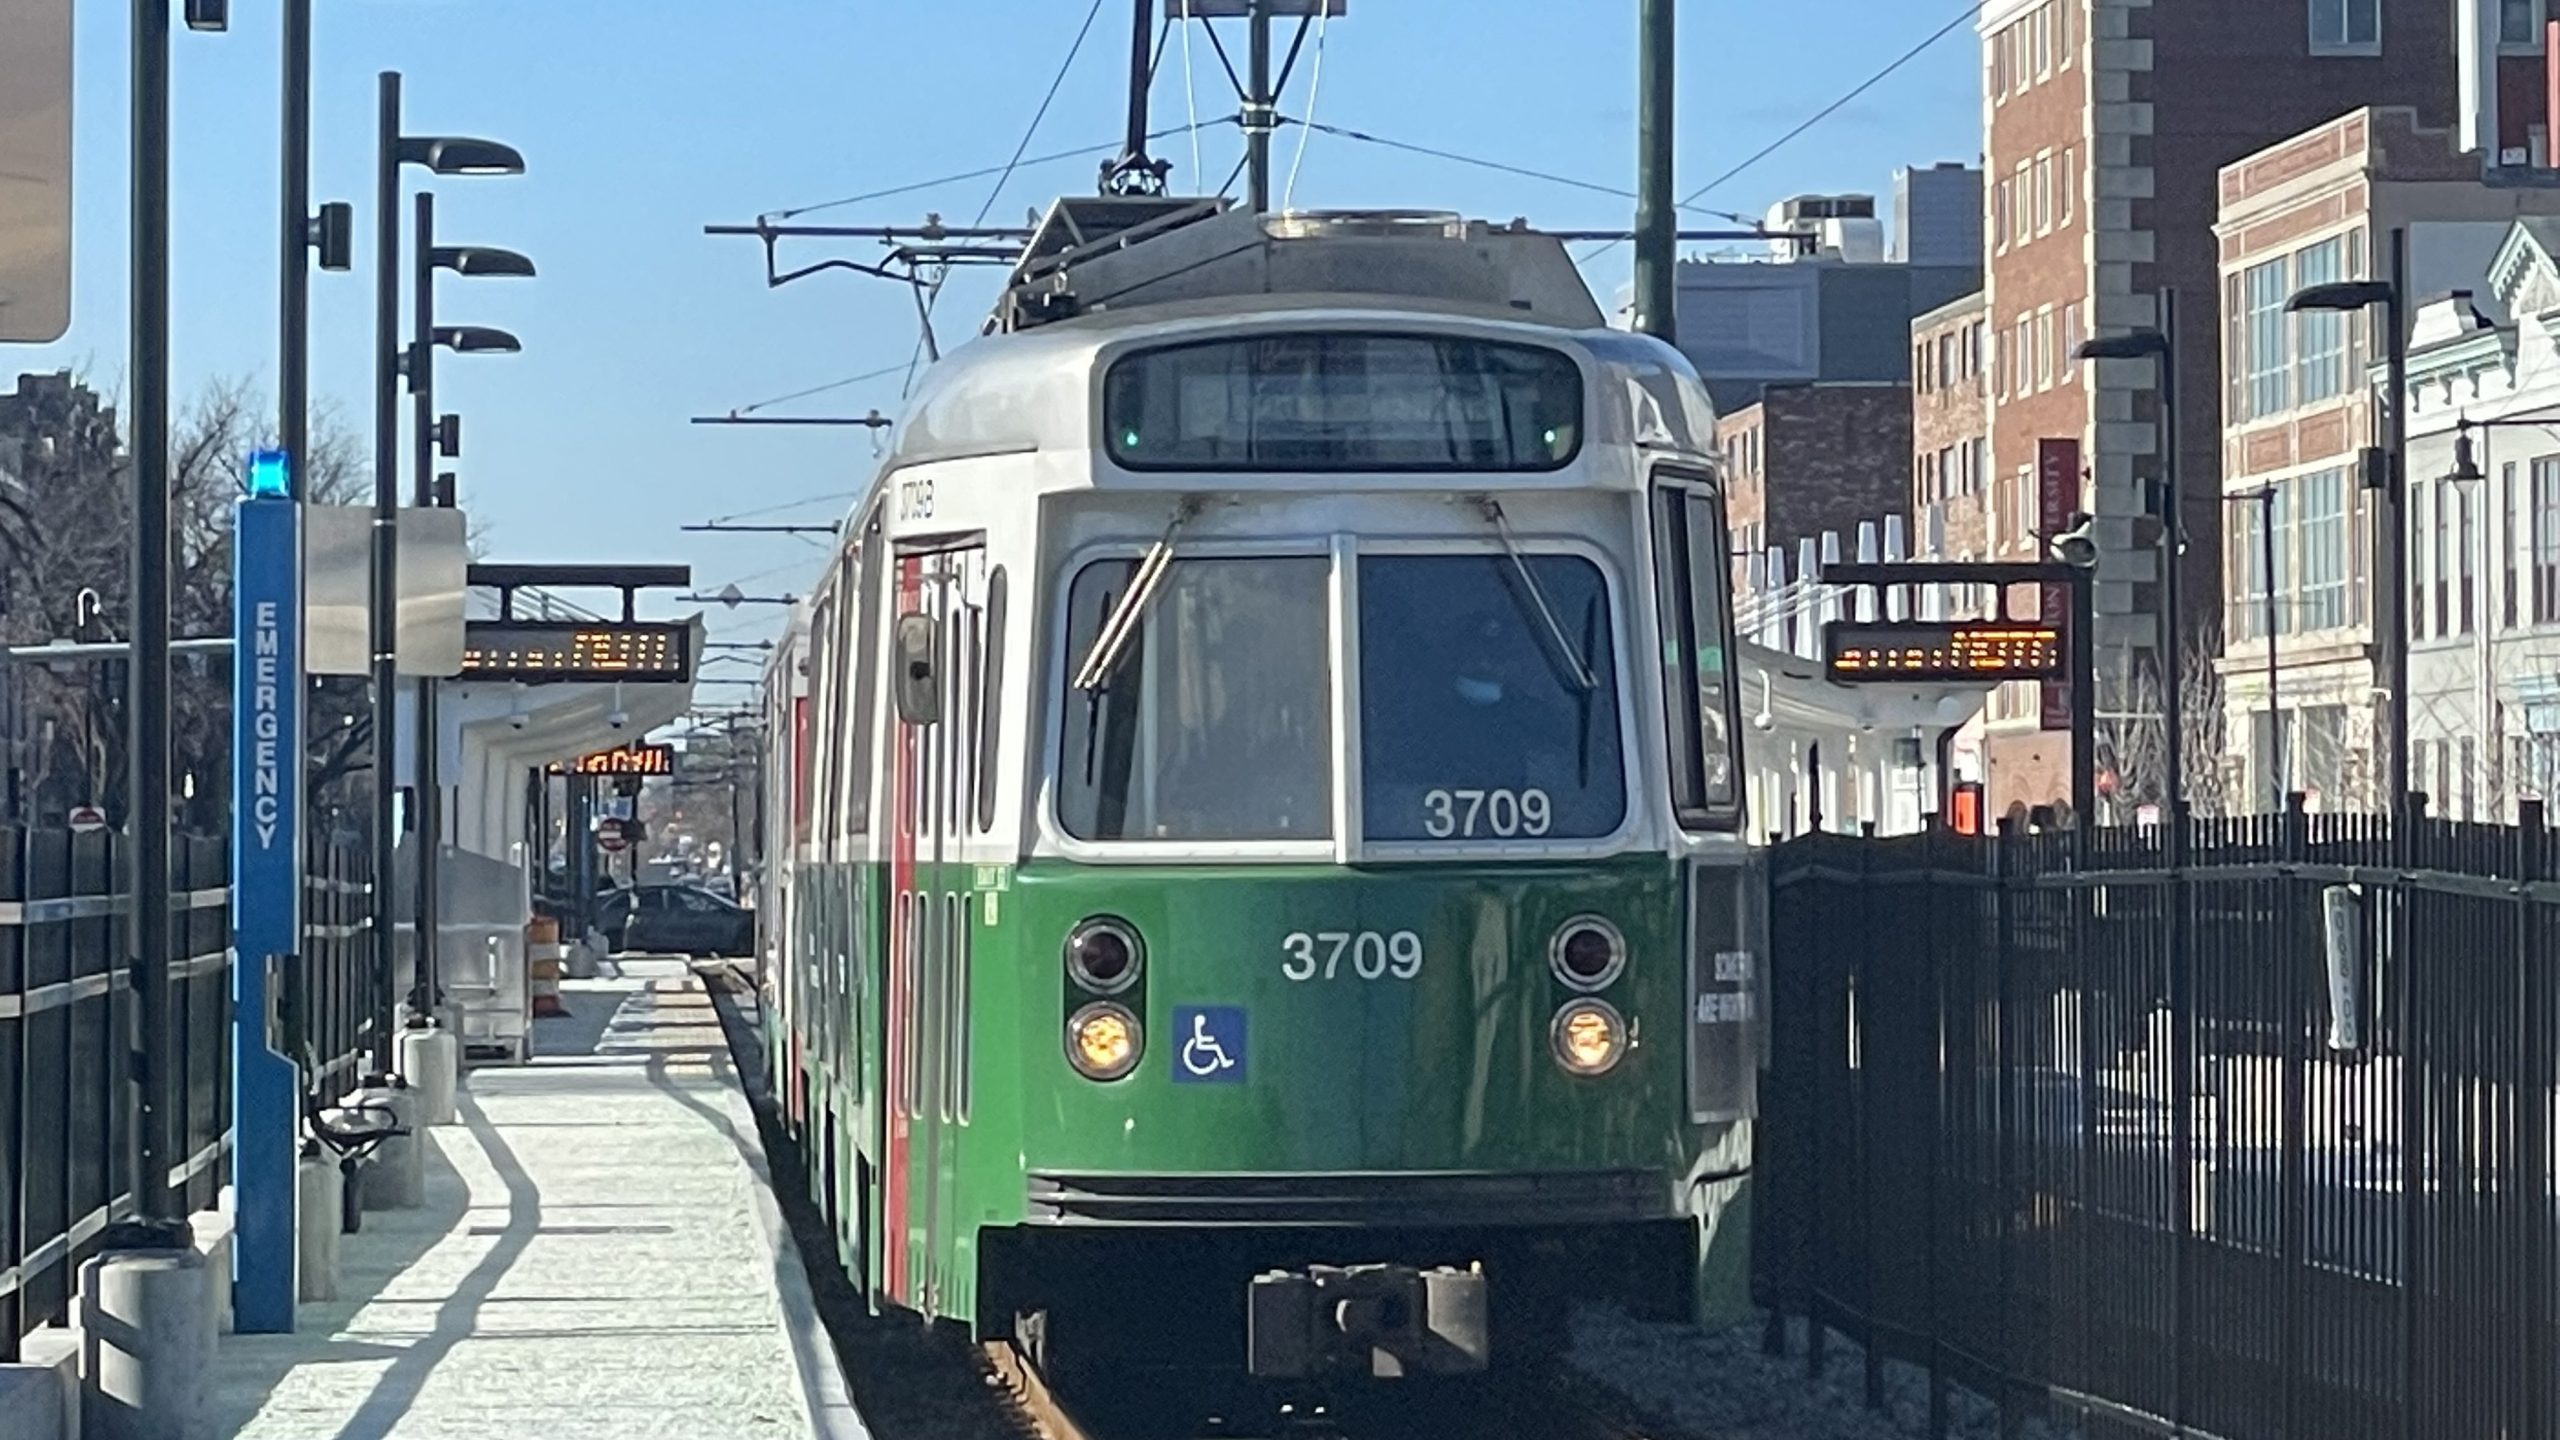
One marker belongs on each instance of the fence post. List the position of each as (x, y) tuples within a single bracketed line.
[(2005, 1123), (1867, 1198), (2533, 1122), (2182, 1122), (2405, 848), (1935, 841), (2292, 1181)]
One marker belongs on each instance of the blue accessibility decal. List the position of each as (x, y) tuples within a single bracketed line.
[(1211, 1051)]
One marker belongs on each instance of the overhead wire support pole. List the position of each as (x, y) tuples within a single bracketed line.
[(1657, 200), (1260, 105)]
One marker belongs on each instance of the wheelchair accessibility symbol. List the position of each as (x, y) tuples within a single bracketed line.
[(1212, 1049)]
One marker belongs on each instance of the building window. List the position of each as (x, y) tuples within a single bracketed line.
[(1977, 464), (2043, 23), (2066, 181), (2048, 362), (2321, 508), (2250, 598), (2519, 22), (2346, 25), (2546, 541), (2044, 194), (2064, 33), (2510, 508), (2000, 214), (2466, 507), (2071, 341), (2264, 360), (2447, 497), (2321, 334)]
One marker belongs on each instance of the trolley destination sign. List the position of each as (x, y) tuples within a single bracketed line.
[(636, 759), (1944, 651)]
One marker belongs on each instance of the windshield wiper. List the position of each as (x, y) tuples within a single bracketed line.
[(1121, 625), (1577, 671)]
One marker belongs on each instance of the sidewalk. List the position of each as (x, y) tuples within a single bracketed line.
[(599, 1256)]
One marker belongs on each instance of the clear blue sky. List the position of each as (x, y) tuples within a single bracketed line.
[(644, 119)]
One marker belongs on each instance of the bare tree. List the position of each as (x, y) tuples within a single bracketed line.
[(69, 575), (2133, 742)]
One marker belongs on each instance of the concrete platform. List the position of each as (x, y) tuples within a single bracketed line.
[(599, 1256)]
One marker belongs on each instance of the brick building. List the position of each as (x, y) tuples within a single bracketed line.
[(2319, 206), (2107, 124), (1817, 457)]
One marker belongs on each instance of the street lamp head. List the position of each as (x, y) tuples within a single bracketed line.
[(479, 261), (2342, 295), (2466, 466), (460, 155), (2136, 345), (477, 340)]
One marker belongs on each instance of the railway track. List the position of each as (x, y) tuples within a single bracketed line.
[(1546, 1405)]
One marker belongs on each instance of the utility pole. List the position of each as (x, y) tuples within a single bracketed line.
[(384, 621), (424, 991), (1135, 172), (1657, 207), (1261, 108)]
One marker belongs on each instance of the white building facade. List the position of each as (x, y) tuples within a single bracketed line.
[(2484, 540)]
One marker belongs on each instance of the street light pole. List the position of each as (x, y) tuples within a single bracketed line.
[(2266, 501), (2395, 505), (293, 275), (147, 679), (424, 995), (384, 619), (1657, 204), (2173, 529)]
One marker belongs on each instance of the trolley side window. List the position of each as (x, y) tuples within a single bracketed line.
[(1488, 702), (1319, 402), (864, 645), (1215, 724), (1693, 576)]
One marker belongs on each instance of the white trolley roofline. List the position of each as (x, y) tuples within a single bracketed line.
[(1040, 392)]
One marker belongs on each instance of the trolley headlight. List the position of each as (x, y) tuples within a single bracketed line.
[(1104, 955), (1103, 1041), (1589, 1036), (1588, 953)]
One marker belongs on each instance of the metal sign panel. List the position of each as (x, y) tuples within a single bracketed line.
[(35, 170), (338, 596), (266, 904)]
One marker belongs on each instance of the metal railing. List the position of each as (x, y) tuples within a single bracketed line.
[(67, 1015), (2270, 1180)]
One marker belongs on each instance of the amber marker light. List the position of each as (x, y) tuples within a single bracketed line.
[(1103, 1041), (1589, 1036)]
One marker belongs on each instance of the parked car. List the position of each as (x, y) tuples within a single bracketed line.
[(676, 920)]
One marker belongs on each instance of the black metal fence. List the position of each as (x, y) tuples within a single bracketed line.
[(68, 1018), (2092, 1131)]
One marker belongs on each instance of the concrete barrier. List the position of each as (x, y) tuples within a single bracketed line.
[(40, 1394), (432, 1059), (318, 1201), (146, 1351), (215, 1231)]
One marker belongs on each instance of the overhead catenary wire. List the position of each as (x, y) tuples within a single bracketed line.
[(1893, 67), (1315, 91), (962, 177), (1003, 178), (779, 506), (880, 374), (1367, 137)]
